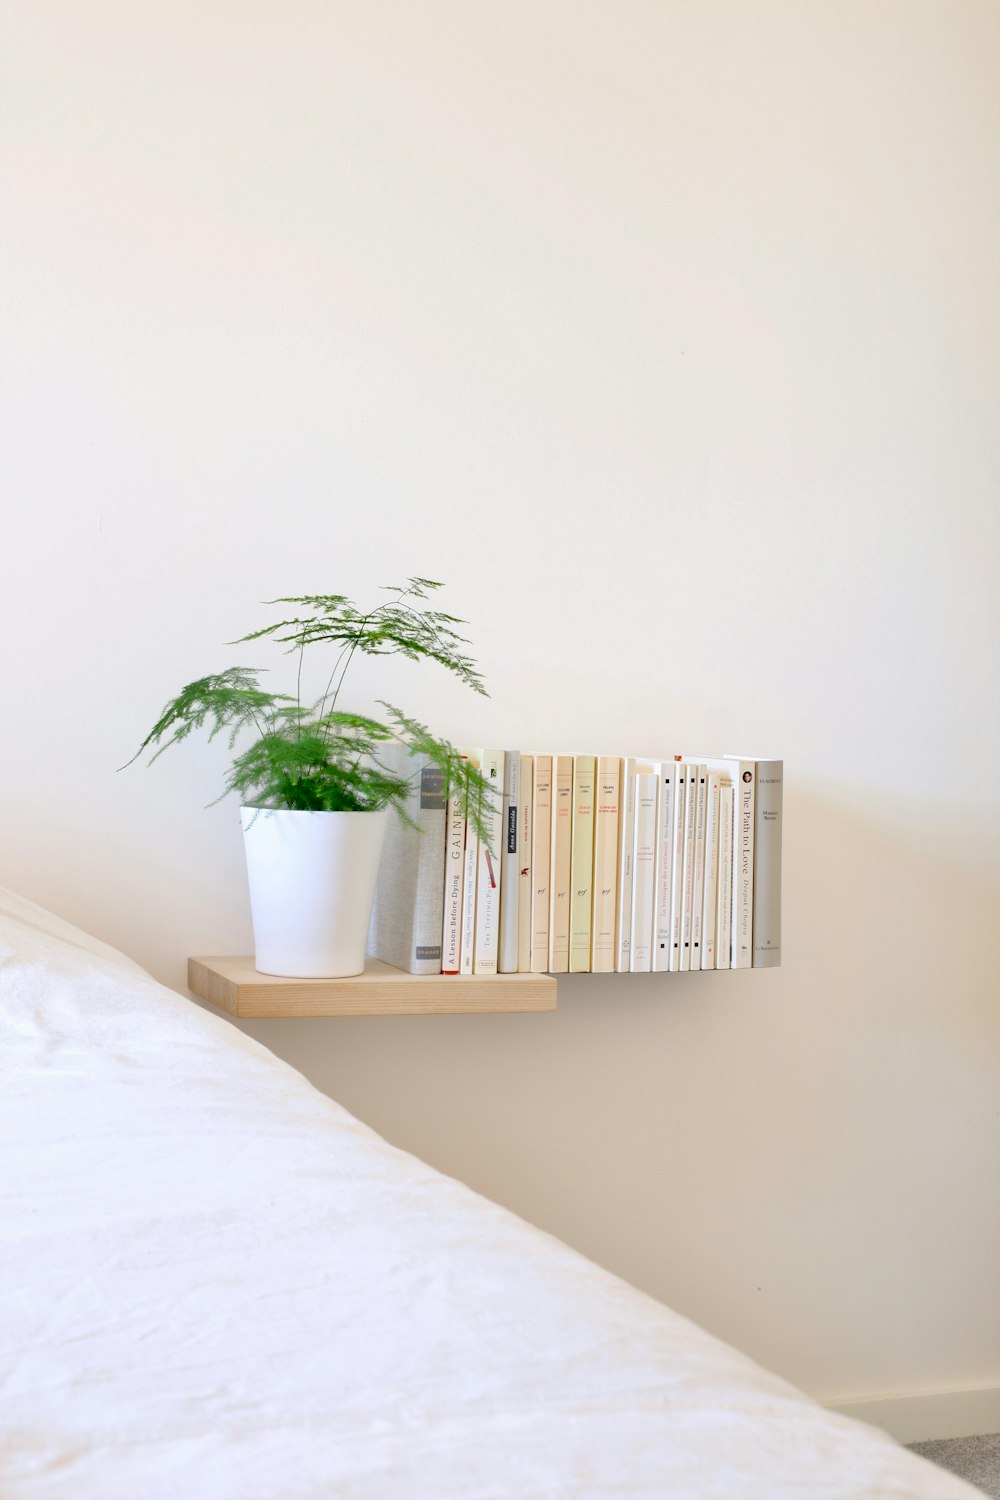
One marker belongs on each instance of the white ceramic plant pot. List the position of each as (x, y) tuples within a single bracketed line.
[(312, 882)]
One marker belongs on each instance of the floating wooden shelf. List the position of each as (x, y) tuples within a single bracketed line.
[(234, 985)]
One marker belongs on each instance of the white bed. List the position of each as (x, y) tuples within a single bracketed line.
[(217, 1285)]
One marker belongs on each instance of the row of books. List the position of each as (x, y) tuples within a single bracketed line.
[(595, 864)]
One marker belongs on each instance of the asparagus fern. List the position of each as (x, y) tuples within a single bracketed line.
[(316, 757)]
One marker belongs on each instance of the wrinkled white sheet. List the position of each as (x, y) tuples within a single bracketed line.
[(217, 1285)]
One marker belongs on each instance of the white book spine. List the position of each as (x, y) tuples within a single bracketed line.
[(454, 880), (561, 869), (643, 866), (468, 947), (607, 813), (724, 907), (743, 840), (524, 866), (711, 892), (767, 865), (699, 865), (664, 877), (687, 895), (510, 894), (677, 872), (626, 836), (541, 859), (488, 873)]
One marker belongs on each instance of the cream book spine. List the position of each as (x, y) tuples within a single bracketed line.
[(524, 865), (664, 873), (744, 784), (582, 865), (644, 870), (488, 872), (454, 880), (710, 897), (562, 847), (687, 891), (541, 863), (607, 813), (724, 905), (767, 865), (469, 885), (701, 792), (677, 866), (626, 833), (510, 896)]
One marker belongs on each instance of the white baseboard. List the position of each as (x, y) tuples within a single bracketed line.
[(921, 1416)]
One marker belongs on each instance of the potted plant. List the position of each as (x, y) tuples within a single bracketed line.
[(314, 794)]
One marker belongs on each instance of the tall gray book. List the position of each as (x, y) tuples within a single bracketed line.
[(767, 866), (409, 897)]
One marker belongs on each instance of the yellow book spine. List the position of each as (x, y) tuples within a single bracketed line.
[(562, 844), (582, 878), (541, 863)]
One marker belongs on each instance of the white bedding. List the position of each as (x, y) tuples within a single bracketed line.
[(217, 1285)]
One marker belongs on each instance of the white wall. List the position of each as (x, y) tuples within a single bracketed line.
[(669, 335)]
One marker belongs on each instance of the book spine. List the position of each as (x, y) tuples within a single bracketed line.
[(677, 867), (607, 814), (743, 842), (626, 836), (699, 865), (454, 878), (663, 881), (724, 906), (767, 865), (469, 886), (644, 870), (408, 912), (488, 873), (510, 893), (562, 847), (687, 894), (524, 865), (711, 892), (541, 862), (582, 863)]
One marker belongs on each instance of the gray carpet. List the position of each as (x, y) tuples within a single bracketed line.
[(976, 1459)]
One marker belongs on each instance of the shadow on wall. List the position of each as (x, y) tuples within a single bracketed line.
[(771, 1152)]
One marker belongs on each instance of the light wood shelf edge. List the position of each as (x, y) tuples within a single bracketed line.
[(234, 985)]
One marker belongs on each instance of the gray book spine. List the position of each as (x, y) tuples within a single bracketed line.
[(509, 864), (767, 866), (409, 898)]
